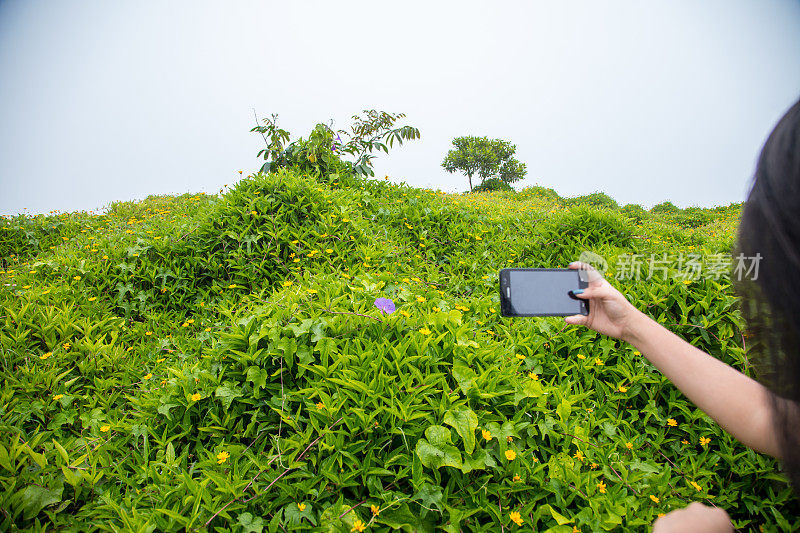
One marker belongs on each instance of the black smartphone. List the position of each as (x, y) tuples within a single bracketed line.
[(541, 292)]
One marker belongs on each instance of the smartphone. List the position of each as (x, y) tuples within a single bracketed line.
[(541, 292)]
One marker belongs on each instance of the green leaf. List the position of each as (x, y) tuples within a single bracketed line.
[(531, 388), (258, 376), (228, 392), (36, 498), (559, 518), (437, 451), (465, 422), (429, 496), (404, 519), (644, 467), (480, 460), (464, 376), (609, 429), (250, 524), (564, 409), (164, 409)]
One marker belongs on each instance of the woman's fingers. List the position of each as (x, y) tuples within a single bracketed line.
[(593, 291), (579, 320), (587, 272)]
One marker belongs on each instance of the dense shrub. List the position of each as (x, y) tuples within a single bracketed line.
[(493, 184), (597, 199), (218, 363)]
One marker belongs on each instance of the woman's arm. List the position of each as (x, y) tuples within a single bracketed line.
[(736, 402), (739, 404)]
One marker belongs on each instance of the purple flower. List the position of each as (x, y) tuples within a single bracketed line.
[(385, 305)]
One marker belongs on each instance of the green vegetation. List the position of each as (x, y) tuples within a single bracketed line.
[(217, 363), (486, 158), (321, 154)]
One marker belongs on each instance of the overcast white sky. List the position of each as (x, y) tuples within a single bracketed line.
[(646, 101)]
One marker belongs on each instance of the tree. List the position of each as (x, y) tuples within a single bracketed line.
[(322, 152), (486, 158)]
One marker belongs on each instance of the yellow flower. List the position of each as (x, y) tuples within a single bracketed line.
[(623, 389), (491, 309), (629, 445), (704, 441), (301, 506), (687, 282), (533, 375), (486, 434), (222, 457), (462, 308), (375, 510), (45, 355), (575, 529), (581, 356), (77, 278), (66, 346), (148, 376), (598, 362), (516, 477), (232, 286), (148, 332), (601, 487), (161, 359), (511, 455), (437, 309), (425, 331), (104, 429), (420, 299), (26, 286), (358, 525), (695, 485), (637, 353), (655, 499), (520, 357), (593, 466), (578, 455), (58, 396), (515, 517), (660, 515), (684, 441), (509, 439), (406, 280), (320, 405), (196, 396), (672, 422), (287, 283), (405, 314)]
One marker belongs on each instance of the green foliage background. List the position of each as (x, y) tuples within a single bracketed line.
[(313, 406)]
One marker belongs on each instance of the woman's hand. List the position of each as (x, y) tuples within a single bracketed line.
[(610, 313), (696, 517)]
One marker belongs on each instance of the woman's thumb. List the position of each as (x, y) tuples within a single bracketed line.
[(579, 320)]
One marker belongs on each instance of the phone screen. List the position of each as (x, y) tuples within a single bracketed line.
[(540, 292)]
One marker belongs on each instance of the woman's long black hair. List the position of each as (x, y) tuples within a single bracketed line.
[(770, 304)]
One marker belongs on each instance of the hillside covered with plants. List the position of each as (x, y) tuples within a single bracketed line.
[(219, 363)]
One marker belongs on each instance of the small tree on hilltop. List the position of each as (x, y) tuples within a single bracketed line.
[(486, 158)]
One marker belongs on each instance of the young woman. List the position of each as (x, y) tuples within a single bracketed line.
[(762, 415)]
